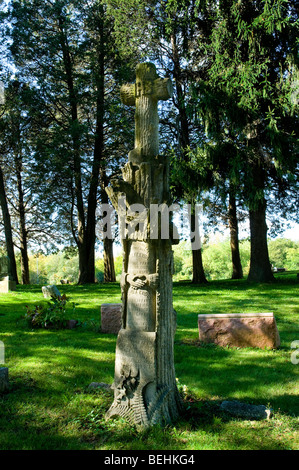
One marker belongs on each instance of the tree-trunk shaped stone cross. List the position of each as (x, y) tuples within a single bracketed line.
[(144, 385), (145, 94)]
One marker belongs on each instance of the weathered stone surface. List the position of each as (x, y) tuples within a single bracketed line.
[(136, 395), (240, 330), (145, 390), (50, 291), (111, 318), (96, 385), (4, 382), (245, 411), (6, 285)]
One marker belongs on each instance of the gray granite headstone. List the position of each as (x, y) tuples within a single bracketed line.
[(50, 292)]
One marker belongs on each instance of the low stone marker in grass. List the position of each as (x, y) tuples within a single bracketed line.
[(6, 283), (242, 330), (100, 386), (246, 411), (50, 291), (111, 318)]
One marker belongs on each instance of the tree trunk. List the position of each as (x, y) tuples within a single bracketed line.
[(87, 222), (8, 231), (234, 237), (84, 275), (22, 221), (260, 267), (198, 276), (86, 263), (184, 133), (109, 269)]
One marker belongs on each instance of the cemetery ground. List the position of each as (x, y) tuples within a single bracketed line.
[(50, 406)]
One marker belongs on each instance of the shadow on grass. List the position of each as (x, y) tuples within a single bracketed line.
[(250, 374)]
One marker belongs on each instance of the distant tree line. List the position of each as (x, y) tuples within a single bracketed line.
[(231, 130), (63, 267)]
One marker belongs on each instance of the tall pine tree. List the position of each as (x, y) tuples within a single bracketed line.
[(65, 50)]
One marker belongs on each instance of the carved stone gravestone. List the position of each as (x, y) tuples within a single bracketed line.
[(111, 318), (144, 385), (50, 292), (6, 284)]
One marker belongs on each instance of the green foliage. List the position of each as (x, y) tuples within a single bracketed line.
[(217, 262), (63, 265), (99, 265), (246, 98), (284, 253), (35, 316), (216, 259), (52, 268), (66, 55), (182, 261), (52, 315)]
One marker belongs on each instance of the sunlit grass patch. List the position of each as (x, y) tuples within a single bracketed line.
[(50, 405)]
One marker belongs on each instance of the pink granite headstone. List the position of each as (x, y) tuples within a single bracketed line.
[(258, 330)]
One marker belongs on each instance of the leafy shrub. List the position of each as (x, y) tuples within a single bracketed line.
[(35, 316), (52, 315)]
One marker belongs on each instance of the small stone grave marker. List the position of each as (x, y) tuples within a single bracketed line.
[(50, 291), (246, 411), (241, 330), (6, 284), (111, 318)]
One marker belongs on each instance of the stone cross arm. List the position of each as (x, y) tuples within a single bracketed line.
[(147, 84), (144, 95), (161, 89)]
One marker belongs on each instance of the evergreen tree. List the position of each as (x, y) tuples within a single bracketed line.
[(32, 221), (7, 229), (65, 50), (244, 91)]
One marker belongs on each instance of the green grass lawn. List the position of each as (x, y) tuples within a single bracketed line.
[(49, 405)]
